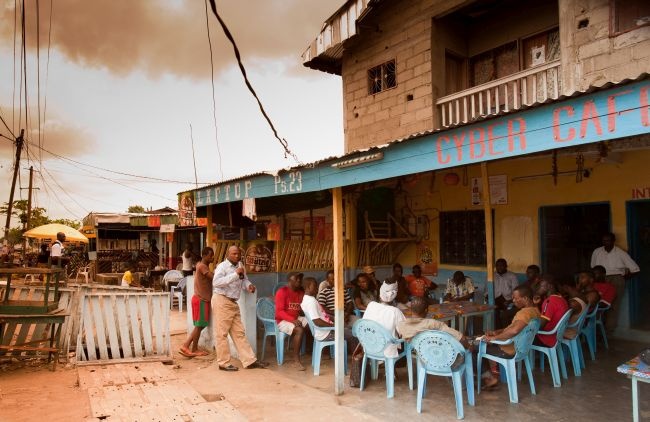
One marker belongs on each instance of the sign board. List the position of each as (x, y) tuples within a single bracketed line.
[(498, 190), (167, 228)]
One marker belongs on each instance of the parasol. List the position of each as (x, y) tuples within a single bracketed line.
[(49, 231)]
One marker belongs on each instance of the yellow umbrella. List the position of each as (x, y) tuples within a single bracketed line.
[(49, 231)]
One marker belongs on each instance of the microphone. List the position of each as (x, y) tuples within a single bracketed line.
[(241, 275)]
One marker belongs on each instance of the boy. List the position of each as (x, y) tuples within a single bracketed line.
[(200, 304)]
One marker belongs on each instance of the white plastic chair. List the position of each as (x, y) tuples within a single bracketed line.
[(84, 271), (176, 292)]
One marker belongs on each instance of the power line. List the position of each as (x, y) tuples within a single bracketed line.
[(47, 77), (196, 179), (283, 142), (214, 103), (38, 70), (7, 126)]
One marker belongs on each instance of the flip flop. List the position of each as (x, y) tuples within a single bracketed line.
[(186, 354)]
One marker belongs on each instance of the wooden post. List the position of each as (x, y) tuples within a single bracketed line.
[(339, 300), (489, 243), (10, 203)]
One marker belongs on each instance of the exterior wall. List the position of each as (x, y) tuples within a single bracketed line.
[(409, 32), (592, 56), (517, 223)]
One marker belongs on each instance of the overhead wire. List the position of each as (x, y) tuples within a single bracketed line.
[(283, 142), (47, 77), (214, 101), (38, 71)]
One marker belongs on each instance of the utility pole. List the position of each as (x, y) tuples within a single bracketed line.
[(19, 149)]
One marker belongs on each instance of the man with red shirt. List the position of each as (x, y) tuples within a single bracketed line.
[(606, 289), (553, 309), (418, 284), (287, 314)]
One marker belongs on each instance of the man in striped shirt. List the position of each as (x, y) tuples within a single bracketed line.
[(326, 297)]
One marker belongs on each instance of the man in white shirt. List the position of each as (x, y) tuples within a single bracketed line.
[(386, 315), (618, 268), (505, 283), (56, 250)]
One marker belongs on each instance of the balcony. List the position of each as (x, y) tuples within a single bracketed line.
[(503, 95)]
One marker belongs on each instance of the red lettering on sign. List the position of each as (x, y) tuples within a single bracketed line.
[(640, 193), (611, 110), (520, 134), (491, 139), (645, 108), (459, 145), (556, 124), (442, 159), (590, 114), (474, 141)]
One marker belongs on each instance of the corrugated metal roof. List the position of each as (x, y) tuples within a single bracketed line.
[(374, 148)]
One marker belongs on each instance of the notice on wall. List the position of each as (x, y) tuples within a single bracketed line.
[(426, 257), (498, 190)]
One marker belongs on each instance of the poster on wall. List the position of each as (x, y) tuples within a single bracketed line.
[(316, 226), (259, 257), (186, 209), (498, 190), (426, 257)]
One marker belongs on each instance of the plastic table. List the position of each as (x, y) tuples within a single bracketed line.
[(636, 371)]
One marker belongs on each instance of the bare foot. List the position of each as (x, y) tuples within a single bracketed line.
[(298, 365)]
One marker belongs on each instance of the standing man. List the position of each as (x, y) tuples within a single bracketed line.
[(56, 251), (228, 282), (618, 268), (200, 304), (287, 314), (505, 283)]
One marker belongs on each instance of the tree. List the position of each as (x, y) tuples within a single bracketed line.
[(67, 222), (136, 209), (38, 218)]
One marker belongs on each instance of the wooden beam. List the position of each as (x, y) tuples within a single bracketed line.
[(339, 283), (489, 243)]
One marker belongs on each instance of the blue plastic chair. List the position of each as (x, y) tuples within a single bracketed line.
[(437, 353), (602, 308), (522, 343), (554, 354), (278, 286), (319, 345), (265, 310), (374, 338), (573, 344), (588, 331)]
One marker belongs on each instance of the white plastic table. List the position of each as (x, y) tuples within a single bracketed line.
[(636, 371)]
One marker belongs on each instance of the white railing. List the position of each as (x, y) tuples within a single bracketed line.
[(502, 95)]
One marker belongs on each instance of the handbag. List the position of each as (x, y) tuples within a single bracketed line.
[(355, 367)]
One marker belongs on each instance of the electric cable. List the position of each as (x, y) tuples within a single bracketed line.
[(214, 102)]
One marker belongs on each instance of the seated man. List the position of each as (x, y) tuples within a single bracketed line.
[(372, 279), (362, 294), (287, 314), (326, 297), (418, 284), (387, 315), (554, 306), (522, 297), (606, 289), (586, 288), (402, 297), (419, 322), (533, 277), (459, 288)]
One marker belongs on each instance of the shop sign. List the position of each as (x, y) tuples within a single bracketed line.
[(167, 228)]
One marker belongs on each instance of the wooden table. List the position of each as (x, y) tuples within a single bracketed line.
[(24, 307), (462, 311), (636, 371), (113, 279), (16, 333)]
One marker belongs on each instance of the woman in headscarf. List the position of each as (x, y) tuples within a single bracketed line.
[(387, 315)]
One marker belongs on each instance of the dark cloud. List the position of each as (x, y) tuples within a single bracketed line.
[(170, 36)]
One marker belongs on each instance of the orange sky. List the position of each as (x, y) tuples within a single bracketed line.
[(127, 78)]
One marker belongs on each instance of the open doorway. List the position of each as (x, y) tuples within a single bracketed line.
[(638, 218), (569, 234)]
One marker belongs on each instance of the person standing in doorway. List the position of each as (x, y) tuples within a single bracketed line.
[(200, 304), (227, 284), (187, 257), (505, 283), (618, 268)]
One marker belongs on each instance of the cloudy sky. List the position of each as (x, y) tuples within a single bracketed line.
[(125, 81)]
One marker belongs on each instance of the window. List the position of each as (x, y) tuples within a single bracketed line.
[(627, 15), (382, 77), (462, 238)]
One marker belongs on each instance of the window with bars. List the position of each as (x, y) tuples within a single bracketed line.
[(382, 77), (462, 238)]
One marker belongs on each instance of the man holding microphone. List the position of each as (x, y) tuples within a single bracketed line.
[(228, 282)]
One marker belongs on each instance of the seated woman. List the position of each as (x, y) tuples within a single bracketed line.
[(362, 294), (459, 288)]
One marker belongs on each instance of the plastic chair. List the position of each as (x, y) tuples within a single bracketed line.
[(171, 276), (374, 338), (176, 292), (265, 311), (588, 331), (84, 271), (522, 343), (554, 354), (573, 344), (319, 345), (437, 354), (602, 308), (277, 287)]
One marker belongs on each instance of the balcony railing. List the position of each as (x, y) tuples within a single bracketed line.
[(502, 95)]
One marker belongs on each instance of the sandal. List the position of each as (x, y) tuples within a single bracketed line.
[(201, 353), (185, 353)]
